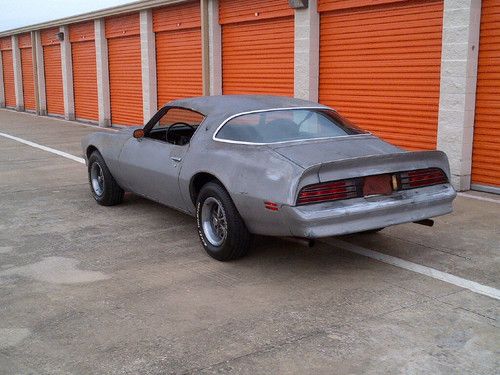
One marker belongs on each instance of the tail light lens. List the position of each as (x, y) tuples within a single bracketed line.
[(329, 191), (421, 177), (353, 188)]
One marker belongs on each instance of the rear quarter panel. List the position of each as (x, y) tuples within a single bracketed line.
[(251, 174)]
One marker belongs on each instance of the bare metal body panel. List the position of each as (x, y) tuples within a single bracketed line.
[(253, 174)]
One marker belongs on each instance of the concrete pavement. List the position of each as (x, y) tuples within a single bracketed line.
[(128, 289)]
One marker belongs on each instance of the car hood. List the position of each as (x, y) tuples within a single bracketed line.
[(309, 153)]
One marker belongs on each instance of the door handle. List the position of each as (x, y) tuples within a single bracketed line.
[(175, 158)]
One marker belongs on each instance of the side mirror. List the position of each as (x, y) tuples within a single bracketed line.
[(138, 133)]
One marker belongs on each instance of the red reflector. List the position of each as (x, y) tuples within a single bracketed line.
[(271, 206)]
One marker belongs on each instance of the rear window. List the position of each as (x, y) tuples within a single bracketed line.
[(286, 125)]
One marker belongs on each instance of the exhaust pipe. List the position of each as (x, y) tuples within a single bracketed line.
[(426, 222)]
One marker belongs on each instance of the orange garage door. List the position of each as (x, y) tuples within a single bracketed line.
[(380, 66), (125, 75), (178, 51), (257, 47), (52, 71), (486, 147), (8, 72), (81, 36), (27, 71)]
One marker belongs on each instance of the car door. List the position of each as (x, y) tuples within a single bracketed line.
[(152, 166)]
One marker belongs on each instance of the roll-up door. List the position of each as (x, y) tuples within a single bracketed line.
[(24, 41), (178, 51), (8, 72), (81, 36), (53, 71), (125, 74), (257, 47), (486, 145), (380, 66)]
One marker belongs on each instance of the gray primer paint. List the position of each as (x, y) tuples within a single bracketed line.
[(253, 174)]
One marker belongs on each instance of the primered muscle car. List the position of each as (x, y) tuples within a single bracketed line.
[(267, 165)]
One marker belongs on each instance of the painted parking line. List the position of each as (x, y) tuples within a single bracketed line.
[(44, 148), (465, 195), (423, 270), (401, 263)]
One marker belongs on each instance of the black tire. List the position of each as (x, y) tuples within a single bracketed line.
[(236, 243), (111, 194)]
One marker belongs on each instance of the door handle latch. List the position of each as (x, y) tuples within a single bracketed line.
[(175, 158)]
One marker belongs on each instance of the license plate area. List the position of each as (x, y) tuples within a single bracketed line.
[(377, 185)]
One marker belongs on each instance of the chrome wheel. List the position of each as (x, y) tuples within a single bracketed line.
[(97, 179), (213, 221)]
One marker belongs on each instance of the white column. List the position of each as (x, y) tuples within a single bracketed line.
[(307, 52), (101, 52), (42, 98), (461, 24), (2, 91), (214, 48), (35, 68), (148, 58), (18, 74), (67, 75)]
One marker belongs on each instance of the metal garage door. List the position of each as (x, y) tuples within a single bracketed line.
[(257, 47), (81, 36), (125, 74), (486, 147), (53, 72), (8, 72), (380, 66), (24, 41), (178, 51)]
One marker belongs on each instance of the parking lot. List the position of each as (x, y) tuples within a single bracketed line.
[(86, 289)]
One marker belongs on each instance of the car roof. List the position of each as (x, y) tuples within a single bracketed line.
[(233, 104)]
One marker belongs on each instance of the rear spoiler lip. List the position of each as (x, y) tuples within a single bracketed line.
[(372, 165)]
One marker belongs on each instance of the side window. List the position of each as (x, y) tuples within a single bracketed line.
[(179, 116), (176, 126)]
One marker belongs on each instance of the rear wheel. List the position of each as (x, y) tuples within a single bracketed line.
[(222, 231), (103, 186)]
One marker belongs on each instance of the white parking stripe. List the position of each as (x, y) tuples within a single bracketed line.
[(427, 271), (44, 148), (465, 195), (424, 270)]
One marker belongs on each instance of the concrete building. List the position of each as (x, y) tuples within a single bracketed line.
[(422, 74)]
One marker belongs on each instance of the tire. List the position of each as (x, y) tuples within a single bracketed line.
[(214, 203), (107, 193)]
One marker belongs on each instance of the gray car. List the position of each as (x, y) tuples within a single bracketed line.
[(267, 165)]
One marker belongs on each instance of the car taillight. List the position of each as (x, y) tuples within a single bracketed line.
[(363, 186), (421, 177), (329, 191)]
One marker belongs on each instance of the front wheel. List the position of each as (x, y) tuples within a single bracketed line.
[(222, 231), (104, 188)]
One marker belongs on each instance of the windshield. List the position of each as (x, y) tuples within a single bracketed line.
[(286, 125)]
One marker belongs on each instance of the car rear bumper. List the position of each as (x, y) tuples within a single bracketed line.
[(360, 214)]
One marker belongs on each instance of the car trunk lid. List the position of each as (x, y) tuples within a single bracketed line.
[(309, 153)]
